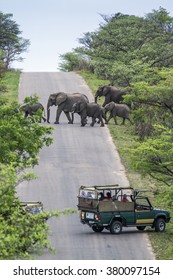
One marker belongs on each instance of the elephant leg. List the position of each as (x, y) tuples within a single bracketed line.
[(115, 117), (110, 117), (98, 120), (26, 114), (48, 115), (84, 122), (130, 120), (105, 118), (68, 117), (44, 119), (72, 117), (115, 120), (93, 121), (101, 120), (58, 113), (83, 119), (123, 122)]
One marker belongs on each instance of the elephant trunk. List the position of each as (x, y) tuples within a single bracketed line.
[(96, 96), (103, 113), (48, 112)]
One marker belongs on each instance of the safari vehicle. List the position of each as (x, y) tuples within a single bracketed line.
[(32, 207), (126, 208)]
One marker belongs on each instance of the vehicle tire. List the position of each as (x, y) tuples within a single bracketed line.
[(141, 227), (97, 229), (116, 227), (160, 225)]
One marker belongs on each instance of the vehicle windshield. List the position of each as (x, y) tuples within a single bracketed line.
[(142, 202)]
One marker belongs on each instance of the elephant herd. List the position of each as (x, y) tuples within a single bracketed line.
[(78, 103)]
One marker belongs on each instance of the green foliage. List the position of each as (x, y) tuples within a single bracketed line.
[(136, 155), (2, 66), (11, 42), (72, 61), (20, 140), (152, 101), (124, 46), (154, 155), (21, 233), (17, 236), (92, 80), (32, 99)]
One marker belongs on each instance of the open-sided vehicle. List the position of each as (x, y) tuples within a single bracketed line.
[(33, 207), (125, 208)]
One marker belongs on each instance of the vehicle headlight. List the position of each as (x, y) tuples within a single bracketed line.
[(82, 215)]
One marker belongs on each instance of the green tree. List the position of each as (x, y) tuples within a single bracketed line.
[(21, 233), (11, 42), (2, 71), (20, 139), (20, 142), (126, 45), (136, 52), (152, 101), (72, 61), (154, 155)]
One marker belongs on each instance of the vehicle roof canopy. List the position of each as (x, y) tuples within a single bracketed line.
[(115, 187), (105, 187)]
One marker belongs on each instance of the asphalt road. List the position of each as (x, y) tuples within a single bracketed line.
[(78, 156)]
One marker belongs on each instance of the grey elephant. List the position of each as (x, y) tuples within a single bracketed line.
[(32, 109), (117, 110), (85, 110), (110, 93), (65, 102)]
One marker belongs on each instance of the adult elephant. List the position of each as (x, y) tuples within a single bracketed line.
[(110, 93), (32, 109), (65, 102), (85, 110)]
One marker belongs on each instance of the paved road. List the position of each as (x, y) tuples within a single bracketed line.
[(78, 156)]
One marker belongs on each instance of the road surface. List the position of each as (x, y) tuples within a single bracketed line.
[(78, 156)]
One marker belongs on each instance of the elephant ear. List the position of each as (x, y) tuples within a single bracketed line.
[(106, 89), (60, 98)]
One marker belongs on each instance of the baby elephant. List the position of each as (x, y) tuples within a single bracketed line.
[(117, 110), (33, 109), (85, 110)]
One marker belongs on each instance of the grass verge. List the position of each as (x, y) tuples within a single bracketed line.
[(11, 83), (124, 137)]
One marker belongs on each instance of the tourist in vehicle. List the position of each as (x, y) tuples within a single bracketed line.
[(108, 195), (124, 198), (101, 196)]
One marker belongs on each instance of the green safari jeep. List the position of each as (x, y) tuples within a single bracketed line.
[(113, 207)]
